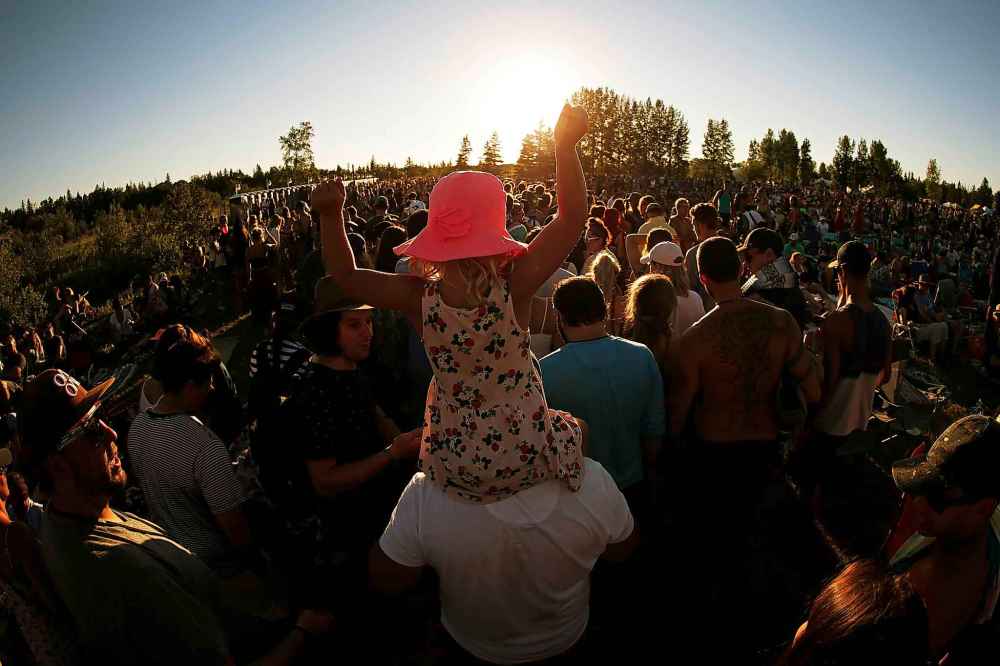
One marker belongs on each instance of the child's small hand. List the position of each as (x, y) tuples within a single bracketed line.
[(571, 126), (329, 195)]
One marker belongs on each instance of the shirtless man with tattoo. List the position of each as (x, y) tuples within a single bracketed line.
[(731, 360), (727, 373)]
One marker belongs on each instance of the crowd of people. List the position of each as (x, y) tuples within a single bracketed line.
[(497, 421)]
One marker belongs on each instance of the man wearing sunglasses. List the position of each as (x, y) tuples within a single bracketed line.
[(134, 595), (952, 553)]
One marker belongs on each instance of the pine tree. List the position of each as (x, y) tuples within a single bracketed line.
[(807, 168), (843, 162), (464, 153), (717, 147), (984, 195), (680, 144), (823, 172), (769, 153), (491, 159), (753, 153), (932, 180), (527, 161), (862, 165)]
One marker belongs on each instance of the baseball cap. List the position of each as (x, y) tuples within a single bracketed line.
[(55, 407), (666, 253), (762, 239), (854, 258), (966, 456)]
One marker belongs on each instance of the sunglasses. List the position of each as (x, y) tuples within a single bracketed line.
[(89, 426)]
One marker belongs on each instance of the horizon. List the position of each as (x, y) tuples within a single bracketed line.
[(118, 94)]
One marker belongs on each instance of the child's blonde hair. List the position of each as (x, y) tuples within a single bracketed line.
[(480, 274), (604, 270)]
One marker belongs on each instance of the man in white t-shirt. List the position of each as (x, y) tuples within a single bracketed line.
[(515, 574)]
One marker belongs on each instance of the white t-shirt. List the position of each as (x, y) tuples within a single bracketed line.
[(689, 310), (515, 574)]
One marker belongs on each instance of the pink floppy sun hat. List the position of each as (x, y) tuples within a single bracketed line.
[(466, 218)]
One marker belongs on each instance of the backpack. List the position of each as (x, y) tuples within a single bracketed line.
[(279, 475), (270, 383)]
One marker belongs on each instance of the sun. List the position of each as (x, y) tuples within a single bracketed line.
[(524, 89)]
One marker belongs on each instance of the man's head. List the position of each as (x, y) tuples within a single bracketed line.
[(955, 487), (653, 210), (381, 205), (761, 247), (62, 433), (706, 220), (853, 261), (718, 262), (339, 327), (185, 362), (579, 302)]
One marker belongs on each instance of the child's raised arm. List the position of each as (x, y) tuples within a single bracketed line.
[(549, 250), (375, 288)]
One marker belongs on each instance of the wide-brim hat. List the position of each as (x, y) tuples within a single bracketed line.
[(467, 218), (329, 299)]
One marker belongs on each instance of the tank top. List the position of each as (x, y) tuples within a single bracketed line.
[(850, 406)]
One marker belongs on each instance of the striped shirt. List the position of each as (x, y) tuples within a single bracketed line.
[(265, 352), (186, 477)]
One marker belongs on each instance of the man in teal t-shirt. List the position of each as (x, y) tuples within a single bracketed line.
[(612, 384)]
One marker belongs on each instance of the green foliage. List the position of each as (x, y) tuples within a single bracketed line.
[(629, 136), (20, 301), (843, 162), (297, 153), (717, 148), (807, 168), (464, 153), (932, 180), (491, 159)]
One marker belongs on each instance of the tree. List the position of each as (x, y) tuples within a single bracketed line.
[(984, 195), (717, 147), (823, 172), (768, 151), (680, 145), (464, 153), (527, 160), (932, 180), (297, 153), (807, 168), (787, 156), (491, 158), (842, 165), (862, 165)]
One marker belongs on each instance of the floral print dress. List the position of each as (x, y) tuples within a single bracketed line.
[(488, 431)]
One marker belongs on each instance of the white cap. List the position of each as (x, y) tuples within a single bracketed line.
[(666, 253)]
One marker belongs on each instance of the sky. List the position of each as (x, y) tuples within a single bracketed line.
[(118, 92)]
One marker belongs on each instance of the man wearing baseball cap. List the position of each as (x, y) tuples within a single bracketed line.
[(950, 538), (857, 359), (135, 596), (772, 278)]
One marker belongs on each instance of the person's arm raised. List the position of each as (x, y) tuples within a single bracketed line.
[(375, 288), (555, 241)]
